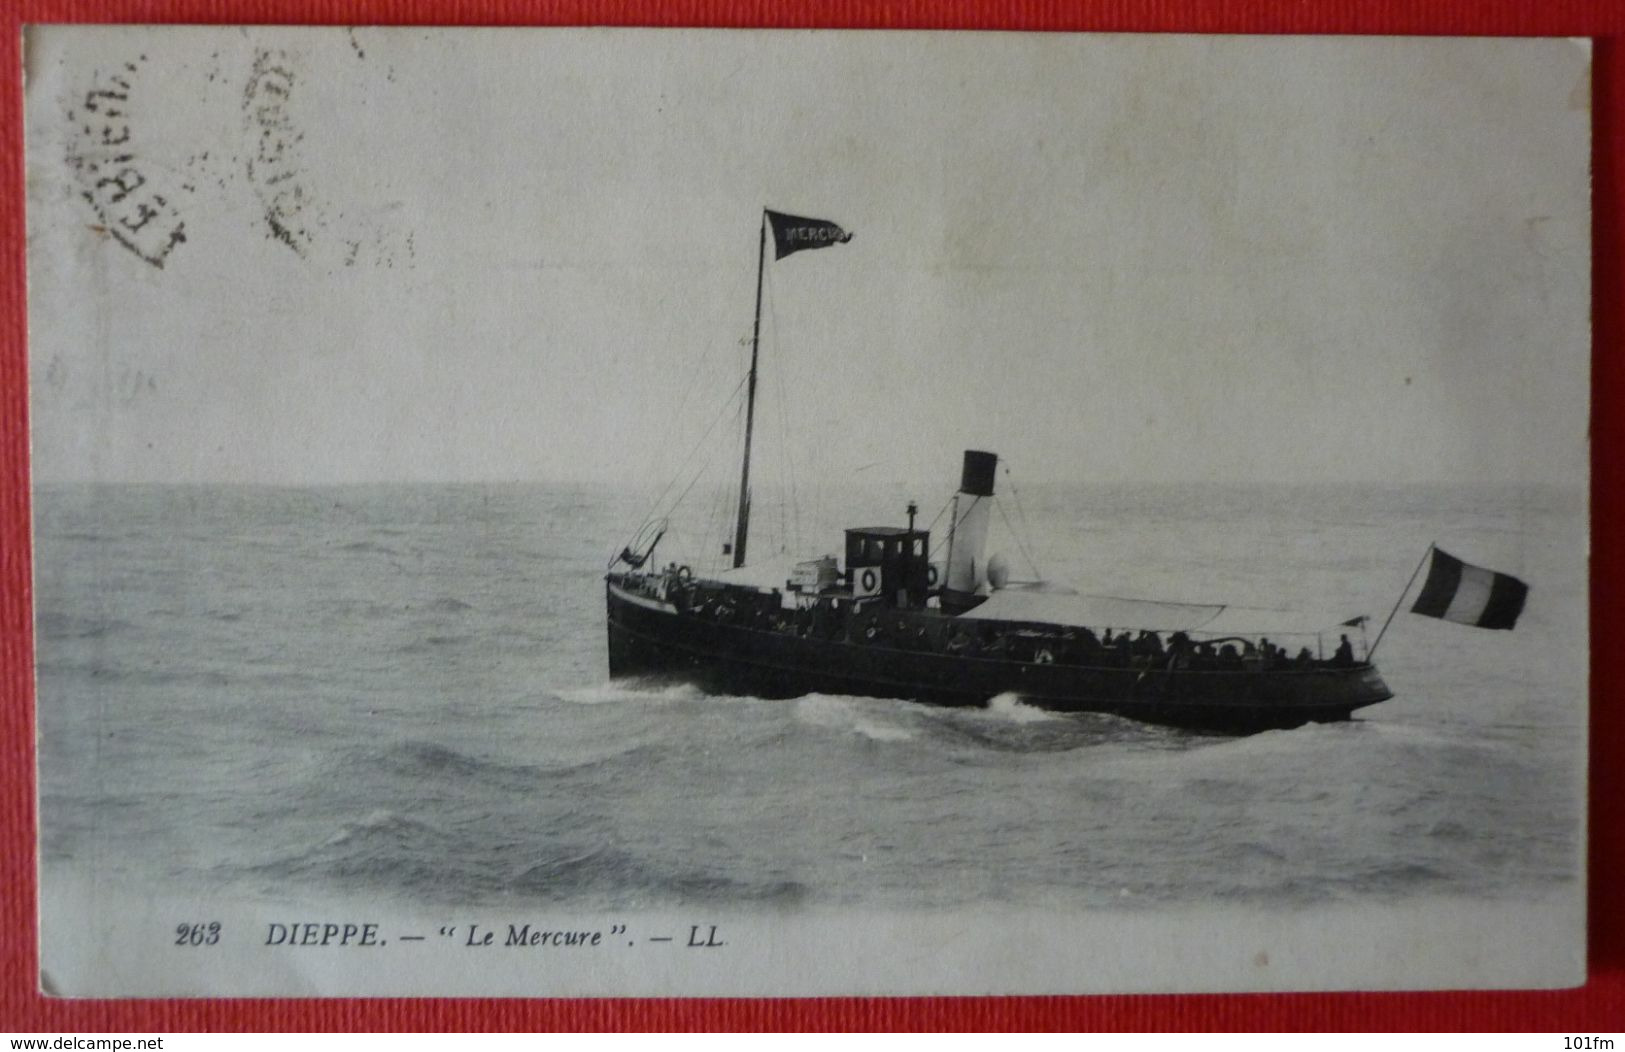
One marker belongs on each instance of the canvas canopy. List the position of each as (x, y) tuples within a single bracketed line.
[(1058, 605), (765, 575)]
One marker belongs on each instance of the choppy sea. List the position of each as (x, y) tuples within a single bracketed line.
[(401, 692)]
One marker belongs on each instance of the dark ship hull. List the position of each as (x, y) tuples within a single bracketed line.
[(655, 638)]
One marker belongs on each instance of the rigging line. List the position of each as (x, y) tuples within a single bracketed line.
[(941, 541), (970, 505), (788, 459), (722, 410), (709, 539), (694, 377), (997, 503), (1020, 512), (696, 477), (698, 474)]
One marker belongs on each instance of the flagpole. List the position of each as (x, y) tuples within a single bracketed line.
[(742, 529), (1369, 654)]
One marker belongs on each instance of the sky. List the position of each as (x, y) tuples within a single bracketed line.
[(429, 255)]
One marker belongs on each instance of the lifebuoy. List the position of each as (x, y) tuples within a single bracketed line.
[(869, 580), (1044, 656), (932, 576)]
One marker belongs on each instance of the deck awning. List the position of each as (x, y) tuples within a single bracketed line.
[(765, 575), (1058, 605)]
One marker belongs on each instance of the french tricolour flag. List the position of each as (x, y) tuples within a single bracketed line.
[(1470, 595)]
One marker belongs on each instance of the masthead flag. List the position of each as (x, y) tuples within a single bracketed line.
[(1470, 595), (794, 233)]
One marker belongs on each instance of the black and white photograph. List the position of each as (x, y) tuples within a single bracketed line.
[(608, 512)]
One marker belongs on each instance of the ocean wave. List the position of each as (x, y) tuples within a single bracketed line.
[(408, 766), (1398, 875), (1253, 852), (629, 690), (1009, 724), (603, 871), (57, 625), (1010, 708), (856, 715), (1447, 829), (1219, 790), (1439, 745), (83, 536), (411, 763), (382, 849), (368, 547), (433, 642), (1391, 880), (383, 824), (1294, 744)]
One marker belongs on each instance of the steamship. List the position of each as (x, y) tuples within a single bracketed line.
[(889, 619)]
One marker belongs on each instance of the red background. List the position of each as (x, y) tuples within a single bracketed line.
[(1598, 1006)]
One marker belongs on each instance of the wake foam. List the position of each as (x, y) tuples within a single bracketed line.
[(844, 713), (1011, 709)]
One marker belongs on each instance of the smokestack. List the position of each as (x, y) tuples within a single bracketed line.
[(967, 537)]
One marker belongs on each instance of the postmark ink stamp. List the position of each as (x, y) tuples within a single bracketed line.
[(273, 153), (129, 200)]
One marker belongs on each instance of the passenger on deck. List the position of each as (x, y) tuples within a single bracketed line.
[(1304, 658), (1089, 650), (1344, 658)]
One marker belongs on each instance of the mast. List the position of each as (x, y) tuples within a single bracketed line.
[(1397, 602), (742, 530)]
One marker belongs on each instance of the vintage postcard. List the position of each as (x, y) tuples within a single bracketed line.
[(633, 512)]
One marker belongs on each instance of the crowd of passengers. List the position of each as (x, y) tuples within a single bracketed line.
[(1013, 641)]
